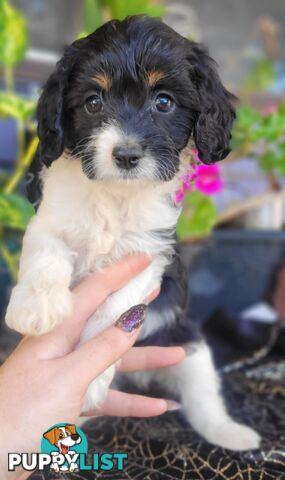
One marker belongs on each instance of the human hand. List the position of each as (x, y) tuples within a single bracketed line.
[(44, 381)]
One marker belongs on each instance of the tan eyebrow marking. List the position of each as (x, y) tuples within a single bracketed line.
[(154, 76), (104, 80)]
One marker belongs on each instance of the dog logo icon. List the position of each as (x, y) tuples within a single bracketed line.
[(64, 442)]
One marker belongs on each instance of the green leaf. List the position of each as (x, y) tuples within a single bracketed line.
[(13, 35), (92, 16), (12, 105), (199, 216), (122, 8), (15, 211), (261, 76), (268, 161)]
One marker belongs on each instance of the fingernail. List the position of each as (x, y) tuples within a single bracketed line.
[(172, 405), (132, 318), (189, 349)]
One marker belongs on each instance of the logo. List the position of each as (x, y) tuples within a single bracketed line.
[(64, 448), (64, 442)]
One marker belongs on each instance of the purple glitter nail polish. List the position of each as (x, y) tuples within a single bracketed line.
[(132, 318)]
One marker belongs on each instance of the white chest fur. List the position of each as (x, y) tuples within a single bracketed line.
[(103, 221)]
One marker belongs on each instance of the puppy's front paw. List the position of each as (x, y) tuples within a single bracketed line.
[(234, 436), (34, 310)]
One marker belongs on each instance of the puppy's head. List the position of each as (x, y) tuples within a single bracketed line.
[(126, 99)]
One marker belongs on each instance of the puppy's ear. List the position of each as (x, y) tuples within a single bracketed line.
[(215, 109), (50, 128), (50, 435), (50, 106)]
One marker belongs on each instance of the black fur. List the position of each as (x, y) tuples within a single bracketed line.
[(172, 300), (126, 50)]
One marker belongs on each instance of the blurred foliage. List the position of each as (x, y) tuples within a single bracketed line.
[(13, 39), (261, 135), (97, 12), (261, 76), (199, 216), (15, 210), (92, 16), (122, 8), (15, 106), (13, 34)]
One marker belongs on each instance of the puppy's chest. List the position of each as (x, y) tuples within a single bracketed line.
[(103, 222), (110, 227)]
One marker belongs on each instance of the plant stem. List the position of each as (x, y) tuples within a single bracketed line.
[(9, 78), (10, 261), (273, 181), (22, 166)]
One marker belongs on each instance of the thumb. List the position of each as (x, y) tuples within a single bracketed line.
[(102, 351)]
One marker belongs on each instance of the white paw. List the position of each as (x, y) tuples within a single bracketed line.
[(234, 436), (35, 309), (97, 391)]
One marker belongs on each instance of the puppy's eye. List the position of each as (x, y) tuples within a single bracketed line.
[(93, 104), (164, 103)]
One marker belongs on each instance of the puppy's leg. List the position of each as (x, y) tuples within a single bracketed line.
[(118, 303), (199, 386), (42, 298)]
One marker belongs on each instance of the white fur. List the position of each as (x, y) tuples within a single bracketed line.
[(198, 386), (105, 141)]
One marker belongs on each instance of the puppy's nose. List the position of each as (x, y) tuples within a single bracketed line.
[(75, 436), (127, 156)]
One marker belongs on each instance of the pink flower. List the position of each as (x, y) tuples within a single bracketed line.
[(186, 185), (179, 196), (208, 179), (269, 109)]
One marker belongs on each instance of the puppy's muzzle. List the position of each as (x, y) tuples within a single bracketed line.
[(127, 157)]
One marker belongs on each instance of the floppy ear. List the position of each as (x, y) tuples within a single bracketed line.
[(50, 106), (50, 109), (50, 435), (215, 111), (50, 120), (50, 128)]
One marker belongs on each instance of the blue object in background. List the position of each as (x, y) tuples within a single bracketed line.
[(8, 141), (232, 270), (8, 126)]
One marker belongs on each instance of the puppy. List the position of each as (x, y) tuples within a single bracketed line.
[(114, 119)]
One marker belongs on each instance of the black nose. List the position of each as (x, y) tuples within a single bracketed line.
[(127, 156), (75, 436)]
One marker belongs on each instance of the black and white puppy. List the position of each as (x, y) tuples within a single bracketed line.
[(114, 119)]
